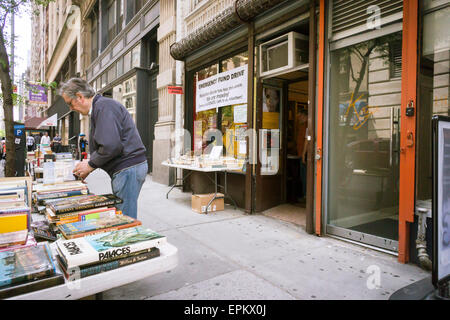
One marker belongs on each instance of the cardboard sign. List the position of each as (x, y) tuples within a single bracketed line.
[(223, 89)]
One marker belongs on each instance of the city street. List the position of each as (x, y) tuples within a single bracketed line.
[(232, 255)]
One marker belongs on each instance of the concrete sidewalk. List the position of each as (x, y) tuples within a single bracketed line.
[(232, 255)]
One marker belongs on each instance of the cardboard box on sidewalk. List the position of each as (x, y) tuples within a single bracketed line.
[(200, 201)]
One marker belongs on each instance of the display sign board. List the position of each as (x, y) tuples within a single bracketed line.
[(441, 200), (37, 94), (223, 89)]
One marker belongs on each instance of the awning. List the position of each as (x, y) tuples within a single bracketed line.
[(242, 11), (49, 122), (34, 122)]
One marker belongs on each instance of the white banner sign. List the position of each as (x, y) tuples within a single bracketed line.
[(223, 89)]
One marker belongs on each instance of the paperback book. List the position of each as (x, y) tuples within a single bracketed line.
[(89, 227), (99, 247), (90, 202), (26, 264)]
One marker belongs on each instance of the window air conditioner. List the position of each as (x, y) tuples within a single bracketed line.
[(283, 54)]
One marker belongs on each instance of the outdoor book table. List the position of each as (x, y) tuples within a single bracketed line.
[(206, 170), (91, 285)]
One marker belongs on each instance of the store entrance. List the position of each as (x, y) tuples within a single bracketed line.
[(287, 175)]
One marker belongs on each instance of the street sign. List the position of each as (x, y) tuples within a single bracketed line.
[(175, 90)]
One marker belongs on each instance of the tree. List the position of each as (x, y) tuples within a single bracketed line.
[(8, 7)]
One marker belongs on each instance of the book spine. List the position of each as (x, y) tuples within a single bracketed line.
[(90, 233), (85, 272), (106, 254), (82, 207), (18, 212)]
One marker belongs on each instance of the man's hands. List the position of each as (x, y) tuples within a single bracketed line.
[(83, 169)]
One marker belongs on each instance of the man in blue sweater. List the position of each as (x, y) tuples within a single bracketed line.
[(115, 144)]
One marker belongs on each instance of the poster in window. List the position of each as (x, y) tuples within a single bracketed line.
[(271, 108)]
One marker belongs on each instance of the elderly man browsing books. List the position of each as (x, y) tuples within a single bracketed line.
[(115, 144)]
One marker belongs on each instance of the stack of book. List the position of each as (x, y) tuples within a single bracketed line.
[(93, 226), (89, 255), (42, 192), (14, 212), (27, 269), (81, 208)]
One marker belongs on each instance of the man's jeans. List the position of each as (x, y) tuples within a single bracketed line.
[(126, 184)]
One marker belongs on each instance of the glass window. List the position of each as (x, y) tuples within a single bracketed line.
[(236, 61), (136, 56), (104, 79), (112, 72), (129, 96), (227, 124), (119, 67), (94, 36), (127, 62), (112, 20), (364, 144), (434, 87)]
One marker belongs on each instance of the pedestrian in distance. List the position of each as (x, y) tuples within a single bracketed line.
[(30, 143), (45, 140), (57, 143), (83, 146), (114, 142)]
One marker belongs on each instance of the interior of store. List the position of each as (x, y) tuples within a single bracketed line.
[(294, 112)]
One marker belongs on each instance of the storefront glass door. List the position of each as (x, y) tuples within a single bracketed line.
[(364, 127)]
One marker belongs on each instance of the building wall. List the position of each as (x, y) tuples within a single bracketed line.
[(166, 111)]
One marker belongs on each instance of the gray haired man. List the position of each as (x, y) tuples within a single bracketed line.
[(115, 144)]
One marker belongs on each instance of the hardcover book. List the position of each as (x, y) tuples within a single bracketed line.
[(40, 284), (41, 198), (90, 202), (99, 247), (88, 227), (27, 264), (13, 238), (85, 271)]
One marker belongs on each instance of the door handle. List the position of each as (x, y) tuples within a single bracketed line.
[(409, 139)]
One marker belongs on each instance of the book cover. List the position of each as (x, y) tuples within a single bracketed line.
[(75, 228), (43, 231), (13, 222), (9, 239), (82, 272), (99, 247), (90, 202), (31, 286), (97, 214), (26, 264), (31, 242), (48, 202)]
